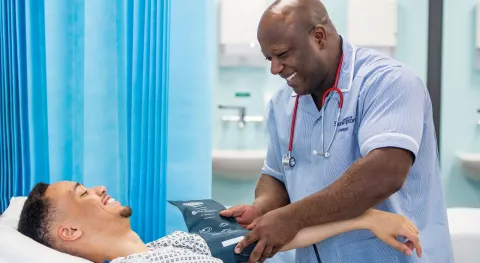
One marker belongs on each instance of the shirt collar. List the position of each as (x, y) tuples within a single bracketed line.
[(346, 75)]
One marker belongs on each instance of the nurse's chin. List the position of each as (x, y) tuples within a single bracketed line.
[(298, 88), (300, 91)]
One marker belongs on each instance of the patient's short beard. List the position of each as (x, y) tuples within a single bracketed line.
[(126, 212)]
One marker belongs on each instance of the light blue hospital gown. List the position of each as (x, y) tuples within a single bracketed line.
[(178, 247), (387, 105)]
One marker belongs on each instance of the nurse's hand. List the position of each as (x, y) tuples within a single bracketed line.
[(272, 231), (244, 214)]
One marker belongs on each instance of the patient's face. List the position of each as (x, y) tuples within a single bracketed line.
[(86, 211)]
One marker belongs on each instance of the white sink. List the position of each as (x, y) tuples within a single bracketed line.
[(238, 164), (470, 163)]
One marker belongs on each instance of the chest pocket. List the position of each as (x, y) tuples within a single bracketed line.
[(346, 127), (344, 149), (343, 126), (350, 117)]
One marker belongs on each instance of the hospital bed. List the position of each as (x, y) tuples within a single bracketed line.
[(16, 248)]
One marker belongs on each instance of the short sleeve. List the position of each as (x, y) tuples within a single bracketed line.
[(272, 164), (393, 112)]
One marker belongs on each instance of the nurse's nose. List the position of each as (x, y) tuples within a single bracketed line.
[(276, 66)]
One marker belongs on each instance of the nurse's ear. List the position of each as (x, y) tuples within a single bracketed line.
[(320, 34), (69, 233)]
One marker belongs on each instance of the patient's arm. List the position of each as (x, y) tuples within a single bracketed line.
[(386, 227)]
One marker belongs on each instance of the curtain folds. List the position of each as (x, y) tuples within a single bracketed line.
[(84, 97), (14, 137)]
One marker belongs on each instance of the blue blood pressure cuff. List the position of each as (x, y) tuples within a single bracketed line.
[(202, 217)]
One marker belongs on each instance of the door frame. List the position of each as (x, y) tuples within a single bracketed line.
[(434, 64)]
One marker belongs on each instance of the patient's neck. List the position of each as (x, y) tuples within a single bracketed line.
[(114, 246)]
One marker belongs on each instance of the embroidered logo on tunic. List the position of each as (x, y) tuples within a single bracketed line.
[(345, 121)]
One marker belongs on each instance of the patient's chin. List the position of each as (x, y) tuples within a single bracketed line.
[(126, 212)]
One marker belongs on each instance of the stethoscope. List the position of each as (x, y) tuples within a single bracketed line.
[(288, 160)]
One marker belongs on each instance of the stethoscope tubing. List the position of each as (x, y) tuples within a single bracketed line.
[(288, 160)]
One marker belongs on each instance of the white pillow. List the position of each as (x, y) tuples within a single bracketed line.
[(11, 216), (18, 248)]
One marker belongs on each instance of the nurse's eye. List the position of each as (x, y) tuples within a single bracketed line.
[(283, 54), (84, 194)]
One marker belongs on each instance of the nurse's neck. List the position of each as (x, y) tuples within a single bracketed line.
[(329, 80)]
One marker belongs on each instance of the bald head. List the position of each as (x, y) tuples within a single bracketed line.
[(301, 42), (307, 13)]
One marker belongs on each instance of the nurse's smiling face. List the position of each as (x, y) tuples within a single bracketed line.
[(301, 43), (296, 50)]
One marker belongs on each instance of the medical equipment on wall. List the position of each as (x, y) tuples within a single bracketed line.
[(288, 161)]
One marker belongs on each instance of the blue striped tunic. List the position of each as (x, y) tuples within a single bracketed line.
[(385, 105)]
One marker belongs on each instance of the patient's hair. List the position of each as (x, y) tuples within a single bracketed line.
[(37, 215)]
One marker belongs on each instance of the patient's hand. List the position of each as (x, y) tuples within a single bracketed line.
[(387, 226)]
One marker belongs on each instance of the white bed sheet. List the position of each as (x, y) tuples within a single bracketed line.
[(464, 224)]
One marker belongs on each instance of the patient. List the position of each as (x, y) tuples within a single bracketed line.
[(88, 223)]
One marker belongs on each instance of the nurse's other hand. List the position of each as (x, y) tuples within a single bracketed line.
[(387, 227), (272, 231), (244, 214)]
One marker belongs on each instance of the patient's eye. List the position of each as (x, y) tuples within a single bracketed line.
[(85, 193)]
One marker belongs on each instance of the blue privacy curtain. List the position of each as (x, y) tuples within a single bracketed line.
[(192, 76), (14, 137), (84, 97)]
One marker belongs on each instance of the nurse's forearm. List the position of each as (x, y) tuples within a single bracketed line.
[(270, 194), (366, 183)]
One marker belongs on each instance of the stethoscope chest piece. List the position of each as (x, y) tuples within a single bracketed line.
[(288, 161), (291, 162)]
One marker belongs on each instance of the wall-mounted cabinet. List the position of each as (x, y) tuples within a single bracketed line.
[(238, 32), (369, 27)]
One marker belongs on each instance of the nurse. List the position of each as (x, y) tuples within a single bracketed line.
[(334, 153)]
